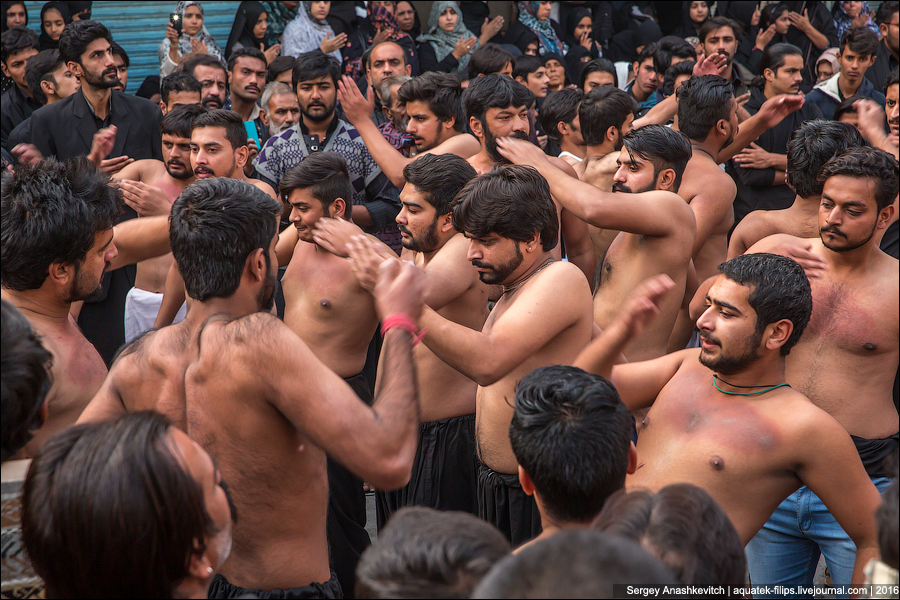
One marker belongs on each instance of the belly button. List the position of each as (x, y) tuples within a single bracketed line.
[(717, 463), (325, 304)]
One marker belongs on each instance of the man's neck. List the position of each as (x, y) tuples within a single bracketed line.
[(98, 98), (38, 304), (442, 241), (638, 93), (894, 52), (852, 260), (766, 372), (242, 107), (541, 259), (234, 307), (180, 183), (708, 147), (728, 73), (808, 208), (598, 151), (566, 146), (768, 92), (319, 128), (845, 87)]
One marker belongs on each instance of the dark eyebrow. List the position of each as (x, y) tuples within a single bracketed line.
[(413, 204), (854, 203), (724, 305)]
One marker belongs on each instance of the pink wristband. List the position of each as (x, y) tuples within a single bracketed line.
[(404, 322)]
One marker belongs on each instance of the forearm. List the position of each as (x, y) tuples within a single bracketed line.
[(780, 177), (468, 351), (140, 239), (173, 298), (388, 158), (817, 38), (659, 114), (778, 161), (604, 351), (863, 556)]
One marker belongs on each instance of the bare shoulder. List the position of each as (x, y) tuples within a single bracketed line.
[(561, 280), (463, 145), (262, 185), (563, 166), (776, 240)]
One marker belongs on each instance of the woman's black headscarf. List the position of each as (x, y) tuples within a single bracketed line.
[(574, 64), (242, 31), (47, 42), (6, 5), (574, 17)]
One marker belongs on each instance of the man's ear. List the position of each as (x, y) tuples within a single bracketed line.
[(522, 81), (408, 70), (768, 74), (446, 222), (534, 243), (449, 124), (241, 155), (777, 334), (4, 69), (264, 115), (229, 75), (255, 266), (666, 180), (526, 482), (475, 126), (162, 105), (632, 459), (50, 89), (339, 208), (611, 133), (387, 112), (75, 68), (885, 215), (61, 273)]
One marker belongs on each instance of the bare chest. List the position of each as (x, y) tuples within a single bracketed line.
[(322, 286)]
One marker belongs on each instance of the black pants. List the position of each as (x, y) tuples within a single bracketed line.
[(222, 588), (503, 503)]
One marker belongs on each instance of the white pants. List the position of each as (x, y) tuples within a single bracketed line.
[(141, 310)]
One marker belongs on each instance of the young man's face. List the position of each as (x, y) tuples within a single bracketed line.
[(723, 41), (417, 221), (853, 65), (121, 73), (573, 131), (317, 98), (98, 65), (15, 65), (537, 82), (596, 79), (176, 153), (427, 130), (502, 122), (729, 342), (177, 99), (212, 154), (848, 213), (283, 111), (646, 77), (635, 175), (787, 78), (892, 111), (66, 83), (387, 59), (212, 86), (496, 258), (248, 78), (306, 211), (87, 281)]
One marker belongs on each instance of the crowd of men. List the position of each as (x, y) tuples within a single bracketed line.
[(622, 332)]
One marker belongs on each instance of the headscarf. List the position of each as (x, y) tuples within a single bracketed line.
[(574, 64), (443, 41), (843, 23), (829, 55), (279, 16), (523, 39), (242, 30), (572, 20), (6, 5), (184, 41), (688, 28), (305, 33), (547, 36), (47, 42), (77, 7), (417, 24), (623, 46), (379, 14), (562, 61)]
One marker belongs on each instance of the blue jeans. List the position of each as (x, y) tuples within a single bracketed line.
[(786, 550)]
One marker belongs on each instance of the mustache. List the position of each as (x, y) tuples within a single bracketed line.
[(176, 163), (211, 100), (482, 265), (710, 339), (832, 229), (519, 135), (202, 169), (404, 229), (621, 187), (252, 87)]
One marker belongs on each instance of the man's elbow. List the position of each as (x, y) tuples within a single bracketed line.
[(393, 470)]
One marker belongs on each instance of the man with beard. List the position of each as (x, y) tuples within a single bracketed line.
[(497, 106), (247, 389), (871, 123), (213, 79), (247, 76), (887, 57), (720, 35), (150, 187), (846, 360), (57, 242), (282, 110), (730, 424), (857, 53)]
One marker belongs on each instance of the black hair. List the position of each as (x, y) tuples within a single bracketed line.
[(846, 107), (684, 528), (279, 66), (118, 50), (812, 145), (52, 212), (885, 11), (703, 102), (425, 553), (315, 64), (17, 39), (78, 35), (442, 93), (180, 120), (779, 290), (233, 123), (893, 78), (201, 60), (598, 65), (493, 91), (685, 67), (25, 370), (178, 82), (887, 517), (715, 23), (771, 13), (439, 177), (40, 68), (865, 162), (525, 65), (860, 40), (669, 48), (648, 51), (571, 434), (560, 106), (326, 177), (248, 51), (662, 146), (215, 225), (512, 202), (487, 59), (773, 58), (604, 107)]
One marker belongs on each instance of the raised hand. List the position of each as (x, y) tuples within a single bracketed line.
[(463, 46), (272, 53), (334, 235), (330, 44), (27, 154), (775, 109), (753, 157), (765, 36), (356, 107), (642, 305), (145, 199), (711, 64), (521, 152), (400, 289), (198, 46)]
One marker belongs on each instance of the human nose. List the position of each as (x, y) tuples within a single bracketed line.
[(474, 252)]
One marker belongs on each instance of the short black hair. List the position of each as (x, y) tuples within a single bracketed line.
[(442, 92), (893, 78), (885, 11), (279, 66), (779, 290), (326, 177), (887, 517), (648, 52), (439, 177), (812, 145), (201, 60), (52, 212), (17, 39), (512, 202), (671, 47), (215, 225), (604, 107), (493, 91), (773, 58), (315, 64), (703, 102), (715, 23), (860, 40), (425, 553), (247, 51), (870, 163), (662, 146), (180, 121), (118, 50), (25, 371), (845, 107), (233, 123), (487, 59), (78, 35), (598, 65), (40, 68), (525, 65), (571, 434), (560, 106), (685, 67), (178, 82)]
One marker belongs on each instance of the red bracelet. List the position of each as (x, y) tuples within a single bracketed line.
[(404, 322)]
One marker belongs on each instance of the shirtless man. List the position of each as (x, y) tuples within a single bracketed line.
[(542, 318), (729, 423), (657, 228), (58, 234), (249, 391), (847, 358), (150, 187), (497, 106), (433, 107)]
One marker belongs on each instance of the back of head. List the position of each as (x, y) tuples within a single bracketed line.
[(52, 212), (425, 553), (16, 39), (512, 202), (661, 145), (714, 24), (668, 49), (487, 59), (812, 145), (78, 35), (178, 82), (326, 177), (861, 41), (440, 177), (25, 370), (313, 65), (779, 290), (180, 121), (442, 92), (574, 563), (494, 91), (230, 121), (109, 512), (685, 67), (40, 68), (604, 107), (560, 106), (598, 65), (703, 102), (215, 225), (571, 434), (684, 528), (279, 66), (870, 163), (190, 65)]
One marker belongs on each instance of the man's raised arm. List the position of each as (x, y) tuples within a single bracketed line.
[(140, 239)]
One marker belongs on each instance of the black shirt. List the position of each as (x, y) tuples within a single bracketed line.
[(17, 107)]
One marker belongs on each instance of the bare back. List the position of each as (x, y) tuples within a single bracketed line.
[(760, 224), (599, 172)]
